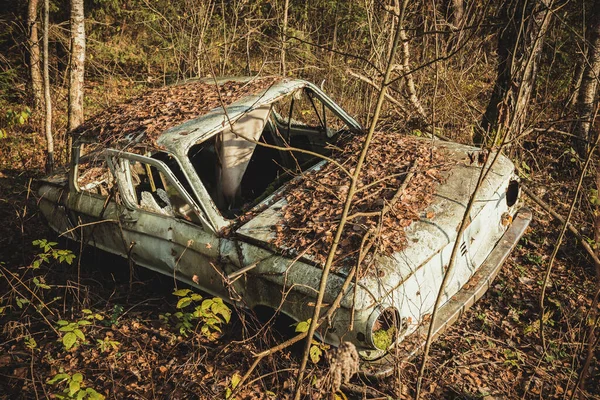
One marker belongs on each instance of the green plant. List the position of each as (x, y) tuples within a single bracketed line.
[(317, 348), (114, 316), (107, 344), (74, 387), (235, 380), (535, 326), (513, 358), (49, 252), (211, 313), (14, 117), (73, 332), (533, 258)]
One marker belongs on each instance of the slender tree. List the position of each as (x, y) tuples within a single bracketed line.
[(519, 50), (587, 95), (77, 67), (284, 28), (33, 45), (458, 13), (47, 100)]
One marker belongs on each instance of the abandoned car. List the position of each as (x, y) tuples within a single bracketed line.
[(235, 186)]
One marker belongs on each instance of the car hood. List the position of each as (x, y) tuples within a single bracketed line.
[(439, 221)]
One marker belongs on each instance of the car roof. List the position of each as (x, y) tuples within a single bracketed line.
[(173, 118)]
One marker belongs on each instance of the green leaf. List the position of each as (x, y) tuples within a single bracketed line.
[(219, 307), (30, 343), (69, 340), (235, 380), (86, 311), (93, 395), (182, 292), (79, 334), (62, 322), (315, 354), (21, 302), (84, 322), (195, 297), (77, 377), (68, 328), (207, 304), (303, 325), (184, 302), (74, 387), (58, 378)]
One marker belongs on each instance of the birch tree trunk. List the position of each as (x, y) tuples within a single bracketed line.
[(519, 50), (33, 43), (284, 36), (588, 90), (47, 100), (77, 67)]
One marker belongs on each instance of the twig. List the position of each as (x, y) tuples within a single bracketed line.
[(369, 81), (571, 228), (591, 345), (560, 239), (313, 323), (504, 136), (7, 273)]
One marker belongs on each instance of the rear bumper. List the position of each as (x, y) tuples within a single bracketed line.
[(457, 305)]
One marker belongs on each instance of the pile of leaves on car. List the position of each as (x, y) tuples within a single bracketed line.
[(396, 184), (144, 118)]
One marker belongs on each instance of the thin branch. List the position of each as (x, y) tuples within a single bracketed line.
[(313, 324), (560, 238)]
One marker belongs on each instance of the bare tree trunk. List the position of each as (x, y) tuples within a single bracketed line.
[(588, 90), (47, 100), (519, 50), (34, 54), (284, 36), (77, 68), (458, 13)]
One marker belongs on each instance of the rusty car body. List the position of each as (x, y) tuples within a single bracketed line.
[(171, 206)]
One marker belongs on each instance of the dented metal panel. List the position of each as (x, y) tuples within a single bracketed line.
[(243, 266)]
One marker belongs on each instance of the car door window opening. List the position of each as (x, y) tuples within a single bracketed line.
[(245, 162), (93, 175)]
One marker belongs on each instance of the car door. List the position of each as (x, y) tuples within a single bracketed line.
[(92, 209), (164, 227)]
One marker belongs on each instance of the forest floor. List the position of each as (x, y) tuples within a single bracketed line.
[(127, 345)]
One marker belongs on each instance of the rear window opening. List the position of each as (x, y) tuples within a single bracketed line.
[(246, 162)]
